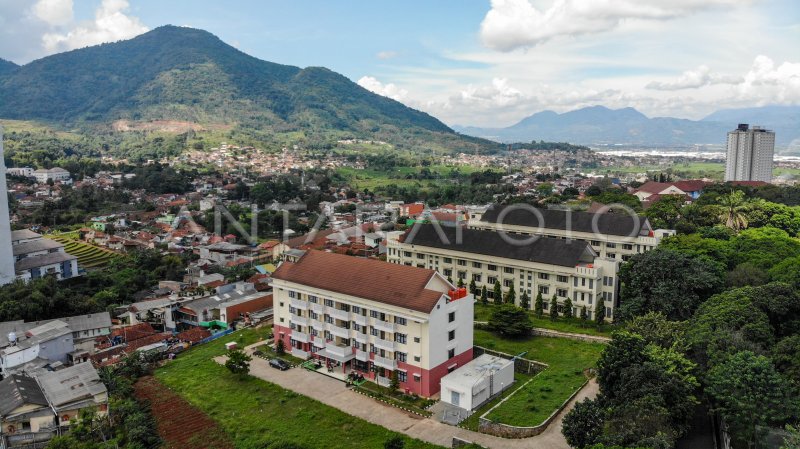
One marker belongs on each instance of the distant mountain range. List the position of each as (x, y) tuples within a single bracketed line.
[(190, 76), (598, 125)]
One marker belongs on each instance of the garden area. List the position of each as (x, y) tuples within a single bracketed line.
[(569, 362), (397, 398), (562, 324), (255, 413), (89, 256)]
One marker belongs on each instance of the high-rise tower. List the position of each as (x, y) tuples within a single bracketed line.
[(7, 272), (750, 154)]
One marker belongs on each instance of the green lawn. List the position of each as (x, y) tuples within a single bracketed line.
[(257, 414), (567, 359), (574, 326)]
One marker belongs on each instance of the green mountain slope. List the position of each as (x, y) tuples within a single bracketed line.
[(6, 67), (183, 74)]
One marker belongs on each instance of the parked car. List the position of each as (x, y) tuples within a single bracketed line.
[(279, 364)]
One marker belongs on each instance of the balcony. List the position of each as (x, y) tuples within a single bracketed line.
[(384, 362), (317, 324), (299, 353), (386, 345), (338, 314), (319, 342), (302, 337), (339, 350), (339, 331), (362, 355), (383, 381), (360, 319), (361, 338), (298, 304), (384, 326), (317, 308), (298, 320)]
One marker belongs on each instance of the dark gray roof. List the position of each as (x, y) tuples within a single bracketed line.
[(34, 246), (24, 234), (548, 250), (77, 382), (612, 223), (40, 261), (16, 391)]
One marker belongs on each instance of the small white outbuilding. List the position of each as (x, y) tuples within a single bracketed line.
[(474, 383)]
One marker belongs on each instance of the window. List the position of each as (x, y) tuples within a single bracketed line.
[(451, 317), (574, 282), (462, 262), (400, 320), (509, 270), (591, 283), (561, 278), (416, 358), (562, 292), (400, 338), (407, 253), (451, 353), (595, 243), (627, 246), (543, 289), (492, 267), (402, 376), (448, 272), (312, 298), (544, 305), (357, 310), (507, 282), (292, 310), (374, 313), (476, 277), (476, 264), (462, 274), (356, 327), (608, 312), (292, 294), (328, 319), (590, 298), (400, 356), (544, 276), (611, 245), (420, 256), (374, 331), (451, 335), (490, 279), (612, 256), (448, 260), (416, 339), (329, 302)]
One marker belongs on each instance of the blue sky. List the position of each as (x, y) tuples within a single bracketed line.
[(476, 62)]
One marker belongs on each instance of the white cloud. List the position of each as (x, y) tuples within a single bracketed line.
[(512, 24), (387, 54), (693, 79), (111, 23), (387, 90), (765, 82), (54, 12)]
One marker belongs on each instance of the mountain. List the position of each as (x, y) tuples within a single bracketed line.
[(189, 75), (6, 67), (601, 125)]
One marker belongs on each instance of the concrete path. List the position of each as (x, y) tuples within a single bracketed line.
[(335, 394)]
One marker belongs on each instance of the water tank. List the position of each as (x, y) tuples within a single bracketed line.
[(12, 337)]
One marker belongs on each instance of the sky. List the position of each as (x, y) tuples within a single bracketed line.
[(475, 62)]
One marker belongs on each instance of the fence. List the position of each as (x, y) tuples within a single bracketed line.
[(215, 336)]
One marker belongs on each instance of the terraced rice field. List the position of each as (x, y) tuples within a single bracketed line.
[(89, 256)]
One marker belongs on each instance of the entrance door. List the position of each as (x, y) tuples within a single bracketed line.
[(455, 398)]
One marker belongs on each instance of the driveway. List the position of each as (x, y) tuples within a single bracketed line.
[(335, 394)]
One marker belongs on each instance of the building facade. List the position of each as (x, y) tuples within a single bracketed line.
[(373, 318), (531, 265), (750, 154), (35, 257)]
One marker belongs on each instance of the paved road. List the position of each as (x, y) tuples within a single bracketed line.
[(334, 393)]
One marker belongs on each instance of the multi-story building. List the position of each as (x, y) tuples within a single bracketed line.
[(750, 154), (374, 318), (531, 264), (36, 257), (55, 174), (613, 235)]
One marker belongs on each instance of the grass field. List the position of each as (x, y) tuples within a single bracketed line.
[(568, 360), (89, 256), (482, 313), (258, 414), (372, 179)]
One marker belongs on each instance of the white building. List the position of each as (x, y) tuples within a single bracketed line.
[(35, 257), (750, 154), (56, 174), (476, 382), (7, 272), (374, 318), (26, 172)]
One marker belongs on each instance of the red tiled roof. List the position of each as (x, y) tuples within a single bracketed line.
[(691, 185), (131, 333), (193, 335), (388, 283)]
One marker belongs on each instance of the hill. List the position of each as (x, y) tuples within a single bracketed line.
[(6, 67), (188, 75), (601, 125)]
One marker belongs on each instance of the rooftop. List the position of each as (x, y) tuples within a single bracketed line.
[(16, 391), (477, 371), (74, 383), (612, 224), (374, 280), (36, 245), (40, 261), (24, 234), (547, 250)]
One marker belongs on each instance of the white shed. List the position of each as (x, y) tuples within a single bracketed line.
[(474, 383)]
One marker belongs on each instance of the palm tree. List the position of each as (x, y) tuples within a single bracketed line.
[(732, 207)]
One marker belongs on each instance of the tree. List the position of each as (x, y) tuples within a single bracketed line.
[(667, 281), (525, 301), (748, 392), (280, 347), (732, 209), (584, 316), (511, 296), (655, 328), (568, 309), (538, 306), (473, 288), (792, 439), (238, 362), (395, 442), (484, 296), (498, 293), (664, 213), (553, 309), (583, 425), (460, 283), (510, 320), (599, 314), (394, 382)]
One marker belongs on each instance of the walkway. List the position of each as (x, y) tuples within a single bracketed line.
[(335, 394)]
